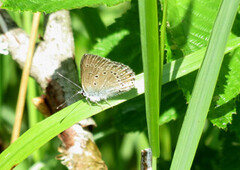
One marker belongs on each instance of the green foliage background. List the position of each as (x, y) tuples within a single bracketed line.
[(113, 32)]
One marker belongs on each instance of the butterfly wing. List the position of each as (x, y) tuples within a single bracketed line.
[(120, 78), (103, 78), (89, 74)]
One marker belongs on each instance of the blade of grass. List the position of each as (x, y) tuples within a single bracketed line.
[(163, 31), (150, 54), (166, 142), (162, 46), (204, 87), (27, 21), (1, 84), (24, 80), (45, 130), (33, 115), (191, 62)]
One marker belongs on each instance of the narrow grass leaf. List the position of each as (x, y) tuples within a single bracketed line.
[(204, 87), (150, 54)]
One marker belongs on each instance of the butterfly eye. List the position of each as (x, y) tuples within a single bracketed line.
[(111, 72), (117, 77), (87, 65), (115, 73), (94, 84), (118, 80), (104, 73), (96, 76)]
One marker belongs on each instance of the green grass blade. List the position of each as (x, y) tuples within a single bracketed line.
[(1, 83), (33, 115), (150, 54), (163, 31), (191, 62), (204, 87)]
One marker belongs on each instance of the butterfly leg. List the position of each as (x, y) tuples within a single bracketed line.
[(99, 105), (88, 102), (108, 103)]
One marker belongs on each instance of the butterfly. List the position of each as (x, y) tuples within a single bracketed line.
[(102, 78)]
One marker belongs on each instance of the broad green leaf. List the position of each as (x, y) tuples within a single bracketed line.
[(234, 128), (49, 6), (191, 24), (191, 31), (222, 116), (228, 87), (105, 46)]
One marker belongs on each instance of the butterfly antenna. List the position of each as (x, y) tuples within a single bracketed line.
[(68, 99), (69, 80)]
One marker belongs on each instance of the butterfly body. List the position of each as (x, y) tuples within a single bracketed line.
[(102, 78)]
